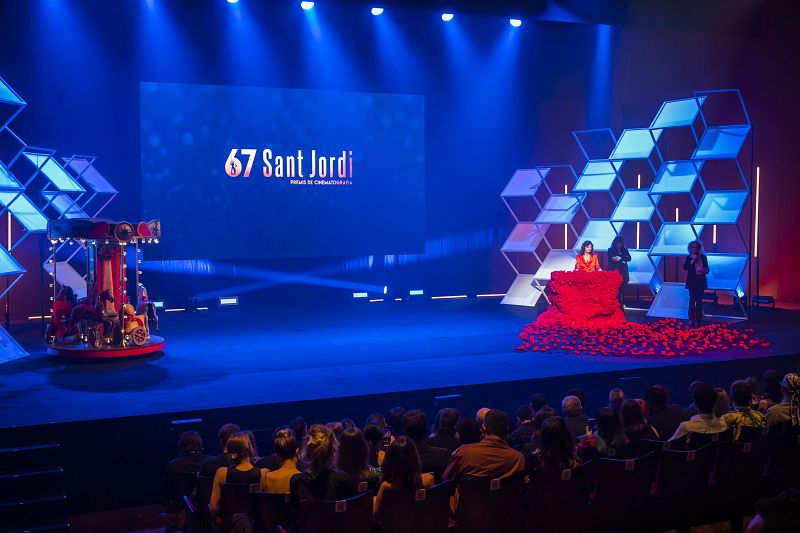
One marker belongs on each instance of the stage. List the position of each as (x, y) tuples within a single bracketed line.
[(276, 355)]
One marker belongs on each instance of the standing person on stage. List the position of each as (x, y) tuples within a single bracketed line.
[(587, 261), (618, 259), (696, 267)]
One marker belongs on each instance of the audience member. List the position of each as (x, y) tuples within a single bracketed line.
[(615, 398), (190, 459), (558, 447), (705, 421), (241, 471), (374, 435), (743, 414), (536, 437), (634, 424), (432, 459), (401, 471), (336, 427), (572, 410), (396, 420), (481, 415), (608, 439), (299, 428), (691, 410), (377, 419), (755, 388), (524, 429), (348, 423), (469, 431), (789, 407), (538, 401), (212, 464), (445, 430), (779, 514), (272, 461), (664, 418), (579, 394), (317, 479), (353, 460), (723, 403), (772, 389), (491, 457), (286, 450)]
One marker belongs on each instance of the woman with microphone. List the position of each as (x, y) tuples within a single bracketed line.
[(696, 267)]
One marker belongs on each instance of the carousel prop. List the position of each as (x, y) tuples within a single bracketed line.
[(105, 324)]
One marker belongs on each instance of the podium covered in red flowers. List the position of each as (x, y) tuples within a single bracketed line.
[(584, 299)]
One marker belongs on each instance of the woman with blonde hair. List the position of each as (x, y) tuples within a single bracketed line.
[(317, 479)]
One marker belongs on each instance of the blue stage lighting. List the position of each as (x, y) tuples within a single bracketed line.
[(385, 289), (447, 17), (233, 1), (515, 22), (307, 5), (377, 11)]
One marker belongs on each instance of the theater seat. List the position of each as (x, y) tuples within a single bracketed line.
[(274, 511), (622, 496), (682, 489), (490, 505), (344, 516), (426, 511), (559, 500)]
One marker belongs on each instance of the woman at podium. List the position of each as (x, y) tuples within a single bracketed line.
[(586, 260)]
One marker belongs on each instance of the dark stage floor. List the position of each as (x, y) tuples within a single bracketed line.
[(234, 358)]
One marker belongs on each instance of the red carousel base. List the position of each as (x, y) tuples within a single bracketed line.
[(81, 350)]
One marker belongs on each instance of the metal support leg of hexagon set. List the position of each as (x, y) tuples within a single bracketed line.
[(711, 128)]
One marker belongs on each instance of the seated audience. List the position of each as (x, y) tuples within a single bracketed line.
[(572, 410), (214, 463), (299, 428), (396, 420), (374, 434), (492, 457), (615, 398), (705, 421), (445, 434), (634, 424), (743, 415), (272, 461), (691, 410), (401, 471), (538, 401), (336, 427), (780, 514), (558, 447), (348, 423), (536, 436), (789, 407), (755, 387), (469, 431), (579, 394), (664, 418), (241, 454), (772, 389), (286, 450), (524, 429), (431, 459), (317, 479), (377, 419), (723, 403), (608, 439), (481, 415), (189, 461), (353, 460)]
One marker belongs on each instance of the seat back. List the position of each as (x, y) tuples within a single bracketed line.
[(682, 489), (344, 516), (738, 478), (559, 500), (752, 434), (490, 505), (657, 446), (425, 511), (203, 521), (696, 441), (238, 499), (183, 485), (783, 470), (622, 493), (274, 511)]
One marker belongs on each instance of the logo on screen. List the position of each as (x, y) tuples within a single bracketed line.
[(299, 167)]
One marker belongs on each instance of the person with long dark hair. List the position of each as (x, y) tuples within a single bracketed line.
[(353, 459), (696, 267), (618, 259), (401, 471), (586, 260), (558, 447)]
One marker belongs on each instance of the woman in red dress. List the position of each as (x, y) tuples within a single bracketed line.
[(587, 261)]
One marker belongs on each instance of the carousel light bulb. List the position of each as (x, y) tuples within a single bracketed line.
[(139, 272), (70, 242), (51, 285), (155, 241), (51, 299)]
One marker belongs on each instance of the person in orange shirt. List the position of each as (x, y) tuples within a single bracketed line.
[(587, 261)]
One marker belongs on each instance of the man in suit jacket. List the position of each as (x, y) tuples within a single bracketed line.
[(573, 416), (431, 458)]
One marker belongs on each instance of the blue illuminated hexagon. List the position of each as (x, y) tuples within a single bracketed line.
[(556, 260), (676, 177), (525, 237), (65, 205), (673, 238), (524, 183), (9, 265), (24, 211), (636, 143), (85, 169), (600, 232), (720, 207), (559, 209), (721, 142), (640, 268), (598, 176), (54, 172), (634, 205), (677, 113), (7, 180), (725, 270)]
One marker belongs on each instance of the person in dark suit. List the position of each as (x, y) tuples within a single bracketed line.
[(212, 464), (444, 431), (663, 417), (524, 429), (696, 267), (191, 457), (618, 259), (431, 458), (573, 415)]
